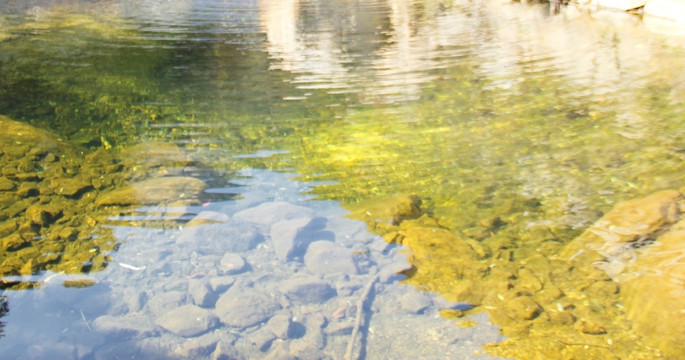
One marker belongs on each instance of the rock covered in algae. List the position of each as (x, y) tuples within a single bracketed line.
[(154, 191), (18, 139)]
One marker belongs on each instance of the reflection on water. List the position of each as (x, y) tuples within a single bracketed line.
[(515, 128)]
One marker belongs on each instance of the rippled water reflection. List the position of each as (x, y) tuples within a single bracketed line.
[(516, 127)]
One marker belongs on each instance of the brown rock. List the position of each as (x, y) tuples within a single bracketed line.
[(42, 215), (69, 187), (627, 222), (653, 298)]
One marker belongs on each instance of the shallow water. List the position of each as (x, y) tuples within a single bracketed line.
[(516, 127)]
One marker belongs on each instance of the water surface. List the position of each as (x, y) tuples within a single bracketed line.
[(516, 127)]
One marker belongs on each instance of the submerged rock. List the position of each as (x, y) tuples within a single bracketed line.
[(269, 213), (631, 221), (289, 237), (231, 236), (654, 293), (155, 191), (188, 320), (325, 258), (19, 139), (641, 245), (243, 307), (388, 211)]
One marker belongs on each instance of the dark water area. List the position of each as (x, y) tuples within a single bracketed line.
[(334, 179)]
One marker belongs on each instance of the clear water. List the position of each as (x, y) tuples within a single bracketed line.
[(510, 123)]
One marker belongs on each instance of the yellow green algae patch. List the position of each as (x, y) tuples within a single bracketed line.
[(550, 306), (54, 196)]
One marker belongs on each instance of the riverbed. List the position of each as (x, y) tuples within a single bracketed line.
[(310, 179)]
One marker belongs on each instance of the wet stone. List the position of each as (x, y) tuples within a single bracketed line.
[(325, 257), (220, 284), (207, 217), (524, 308), (243, 307), (232, 236), (313, 340), (201, 346), (42, 215), (134, 299), (27, 189), (269, 213), (233, 264), (188, 320), (307, 290), (164, 302), (281, 325), (261, 339), (201, 293), (6, 184), (289, 237), (339, 328), (70, 187), (14, 242), (154, 191), (68, 233), (226, 351), (128, 324), (415, 303), (7, 228)]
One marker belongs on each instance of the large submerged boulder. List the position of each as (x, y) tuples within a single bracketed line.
[(641, 245)]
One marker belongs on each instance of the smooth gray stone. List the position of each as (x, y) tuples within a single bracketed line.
[(340, 328), (161, 303), (226, 351), (135, 299), (261, 339), (220, 284), (202, 293), (243, 307), (269, 213), (288, 237), (313, 340), (128, 324), (415, 303), (325, 258), (201, 346), (281, 325), (307, 290), (231, 236), (232, 264), (188, 320)]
